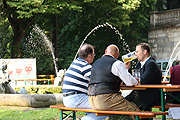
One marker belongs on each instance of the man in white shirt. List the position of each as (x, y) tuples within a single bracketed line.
[(107, 73)]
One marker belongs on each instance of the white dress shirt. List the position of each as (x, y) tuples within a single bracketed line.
[(120, 70)]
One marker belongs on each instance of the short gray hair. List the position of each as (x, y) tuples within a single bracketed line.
[(85, 50)]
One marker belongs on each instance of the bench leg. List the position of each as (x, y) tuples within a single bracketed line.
[(136, 117), (68, 115), (74, 115), (173, 97), (61, 114), (163, 104)]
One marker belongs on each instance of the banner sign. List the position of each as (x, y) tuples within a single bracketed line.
[(21, 68)]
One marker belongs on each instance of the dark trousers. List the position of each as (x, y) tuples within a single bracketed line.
[(135, 98)]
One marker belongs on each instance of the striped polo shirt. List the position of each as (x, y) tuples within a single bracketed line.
[(77, 77)]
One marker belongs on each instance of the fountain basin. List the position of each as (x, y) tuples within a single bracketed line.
[(26, 100)]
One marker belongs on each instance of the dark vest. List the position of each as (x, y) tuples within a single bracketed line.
[(102, 80)]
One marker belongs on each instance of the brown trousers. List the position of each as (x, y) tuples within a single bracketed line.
[(111, 102)]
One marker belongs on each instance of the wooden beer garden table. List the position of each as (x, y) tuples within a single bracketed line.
[(165, 82), (163, 88)]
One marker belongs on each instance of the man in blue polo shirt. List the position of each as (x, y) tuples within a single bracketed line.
[(76, 80)]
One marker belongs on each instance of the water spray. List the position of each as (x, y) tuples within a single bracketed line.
[(48, 43), (101, 26), (170, 62)]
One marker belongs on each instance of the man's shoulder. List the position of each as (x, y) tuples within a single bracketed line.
[(80, 62), (151, 60), (177, 66), (106, 58)]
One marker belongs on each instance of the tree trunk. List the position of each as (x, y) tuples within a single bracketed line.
[(19, 27)]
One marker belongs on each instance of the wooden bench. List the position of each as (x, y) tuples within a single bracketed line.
[(167, 106), (49, 78), (165, 82), (137, 114)]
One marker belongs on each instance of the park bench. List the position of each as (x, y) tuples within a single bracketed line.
[(167, 106), (137, 114), (48, 78), (168, 103)]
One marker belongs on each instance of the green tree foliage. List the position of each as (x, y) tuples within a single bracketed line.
[(132, 23), (5, 37), (75, 20), (138, 31), (30, 8), (22, 14)]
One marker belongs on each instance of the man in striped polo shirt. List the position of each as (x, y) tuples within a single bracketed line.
[(76, 80)]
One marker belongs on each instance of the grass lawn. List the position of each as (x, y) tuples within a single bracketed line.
[(44, 114), (40, 114)]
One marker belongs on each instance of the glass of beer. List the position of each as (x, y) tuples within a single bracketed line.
[(129, 57), (136, 73)]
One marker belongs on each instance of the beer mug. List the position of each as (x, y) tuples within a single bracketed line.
[(136, 73), (129, 57)]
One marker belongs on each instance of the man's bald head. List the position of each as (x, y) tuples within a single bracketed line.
[(112, 50)]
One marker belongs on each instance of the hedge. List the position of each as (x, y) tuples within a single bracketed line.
[(41, 89)]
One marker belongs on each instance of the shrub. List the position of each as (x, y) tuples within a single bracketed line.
[(41, 89)]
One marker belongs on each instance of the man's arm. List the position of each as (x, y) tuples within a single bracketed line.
[(119, 69)]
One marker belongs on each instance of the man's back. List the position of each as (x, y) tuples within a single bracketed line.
[(77, 77), (175, 80), (175, 75), (102, 78), (104, 89)]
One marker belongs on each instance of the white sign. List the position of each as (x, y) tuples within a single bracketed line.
[(21, 68)]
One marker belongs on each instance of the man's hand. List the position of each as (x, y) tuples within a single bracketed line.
[(138, 80), (128, 65)]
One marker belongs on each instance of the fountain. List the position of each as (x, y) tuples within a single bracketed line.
[(5, 87), (10, 97), (48, 43), (171, 61), (25, 100), (126, 47), (58, 78), (43, 100)]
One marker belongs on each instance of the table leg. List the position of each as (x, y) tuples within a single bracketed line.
[(136, 117), (74, 115), (61, 114), (163, 104)]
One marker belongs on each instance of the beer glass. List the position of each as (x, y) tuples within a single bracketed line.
[(129, 57), (136, 73)]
